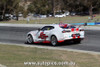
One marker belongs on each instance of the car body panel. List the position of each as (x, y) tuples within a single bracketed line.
[(61, 32)]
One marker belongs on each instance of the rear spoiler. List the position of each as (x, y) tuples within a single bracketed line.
[(79, 25), (65, 25)]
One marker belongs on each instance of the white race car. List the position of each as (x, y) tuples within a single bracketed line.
[(55, 34)]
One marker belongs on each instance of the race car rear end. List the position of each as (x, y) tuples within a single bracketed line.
[(73, 33)]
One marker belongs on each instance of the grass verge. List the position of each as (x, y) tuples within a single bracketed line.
[(68, 19), (15, 56)]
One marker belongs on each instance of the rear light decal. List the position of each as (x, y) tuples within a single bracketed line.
[(77, 29), (72, 29)]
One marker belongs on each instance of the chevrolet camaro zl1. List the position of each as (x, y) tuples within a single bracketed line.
[(55, 34)]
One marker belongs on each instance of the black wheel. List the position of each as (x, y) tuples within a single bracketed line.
[(77, 41), (54, 41), (30, 39)]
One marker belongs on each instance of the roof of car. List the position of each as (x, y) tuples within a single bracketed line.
[(61, 24)]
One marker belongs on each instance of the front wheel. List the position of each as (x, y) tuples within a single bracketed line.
[(54, 41), (30, 39)]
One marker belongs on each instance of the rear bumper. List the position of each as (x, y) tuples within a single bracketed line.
[(60, 41), (75, 39)]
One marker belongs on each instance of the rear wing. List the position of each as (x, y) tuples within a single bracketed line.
[(63, 25), (78, 26)]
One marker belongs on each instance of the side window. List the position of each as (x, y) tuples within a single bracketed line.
[(51, 27), (44, 28), (47, 28)]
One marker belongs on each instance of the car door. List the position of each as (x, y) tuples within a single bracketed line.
[(44, 33)]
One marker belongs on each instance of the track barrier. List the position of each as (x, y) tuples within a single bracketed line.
[(92, 23)]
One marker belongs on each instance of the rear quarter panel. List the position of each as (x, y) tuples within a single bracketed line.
[(58, 33)]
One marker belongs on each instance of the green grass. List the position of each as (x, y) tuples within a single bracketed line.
[(15, 56), (68, 19)]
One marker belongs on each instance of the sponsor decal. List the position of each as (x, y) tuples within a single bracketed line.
[(74, 36), (42, 35)]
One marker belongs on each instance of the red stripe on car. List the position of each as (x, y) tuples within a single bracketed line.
[(61, 41), (46, 41)]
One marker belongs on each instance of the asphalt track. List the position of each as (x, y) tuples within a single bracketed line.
[(17, 35)]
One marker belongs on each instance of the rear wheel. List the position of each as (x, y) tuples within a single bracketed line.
[(54, 41), (30, 39)]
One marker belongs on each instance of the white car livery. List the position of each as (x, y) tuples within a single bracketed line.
[(55, 34)]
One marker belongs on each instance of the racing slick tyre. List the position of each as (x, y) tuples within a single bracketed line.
[(77, 41), (29, 39), (54, 41)]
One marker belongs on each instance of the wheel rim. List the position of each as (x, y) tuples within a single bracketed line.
[(29, 39), (53, 40)]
